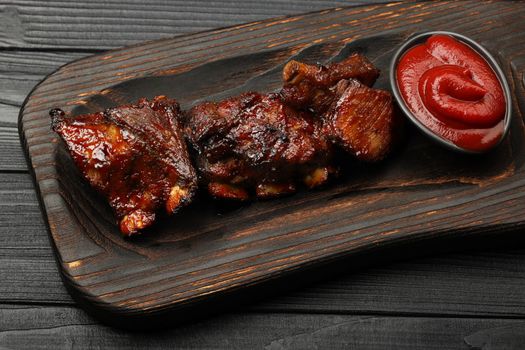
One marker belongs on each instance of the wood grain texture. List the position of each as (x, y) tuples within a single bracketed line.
[(108, 24), (452, 284), (194, 260), (477, 283), (11, 154), (20, 71), (64, 327)]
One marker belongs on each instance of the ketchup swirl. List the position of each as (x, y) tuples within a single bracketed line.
[(453, 91)]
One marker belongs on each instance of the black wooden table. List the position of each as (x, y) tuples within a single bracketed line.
[(475, 296)]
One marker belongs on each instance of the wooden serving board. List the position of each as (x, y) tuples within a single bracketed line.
[(197, 260)]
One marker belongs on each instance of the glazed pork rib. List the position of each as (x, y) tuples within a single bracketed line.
[(135, 156), (313, 86), (361, 121), (356, 117), (256, 145), (251, 145), (266, 145)]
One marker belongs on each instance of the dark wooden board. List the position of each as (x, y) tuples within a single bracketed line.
[(421, 192), (92, 25), (20, 71), (487, 282), (23, 327), (483, 283)]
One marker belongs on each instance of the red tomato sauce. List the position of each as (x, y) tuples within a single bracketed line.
[(453, 91)]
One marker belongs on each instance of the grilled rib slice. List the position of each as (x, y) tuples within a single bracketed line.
[(361, 120), (312, 86), (256, 145), (252, 145), (135, 156)]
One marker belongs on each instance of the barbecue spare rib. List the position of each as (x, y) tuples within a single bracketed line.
[(356, 117), (314, 86), (255, 144), (266, 145), (251, 145), (134, 155)]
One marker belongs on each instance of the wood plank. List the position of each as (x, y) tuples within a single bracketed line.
[(11, 154), (434, 286), (109, 24), (182, 264), (22, 228), (61, 327), (8, 115), (482, 283), (32, 280), (486, 282), (27, 266), (20, 71)]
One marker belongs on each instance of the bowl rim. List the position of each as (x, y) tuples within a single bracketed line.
[(418, 38)]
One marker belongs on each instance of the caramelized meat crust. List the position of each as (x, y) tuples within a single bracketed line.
[(312, 86), (135, 156), (251, 145), (267, 144), (361, 121), (255, 144)]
